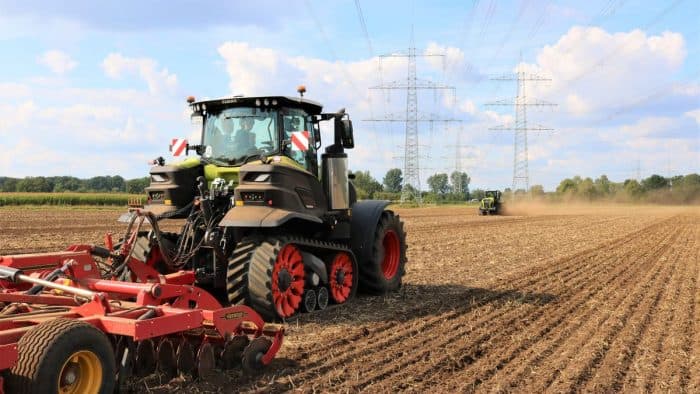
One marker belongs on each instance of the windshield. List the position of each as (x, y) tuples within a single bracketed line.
[(235, 135)]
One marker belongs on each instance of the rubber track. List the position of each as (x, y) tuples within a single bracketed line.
[(250, 268)]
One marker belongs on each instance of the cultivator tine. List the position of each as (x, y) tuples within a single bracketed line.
[(253, 354), (184, 357), (233, 351), (167, 363), (206, 360), (145, 358)]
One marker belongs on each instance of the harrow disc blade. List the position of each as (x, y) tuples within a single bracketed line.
[(206, 360), (253, 354), (145, 358), (233, 351), (167, 363), (185, 357)]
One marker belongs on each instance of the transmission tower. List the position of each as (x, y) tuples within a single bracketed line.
[(411, 85), (521, 175), (458, 146)]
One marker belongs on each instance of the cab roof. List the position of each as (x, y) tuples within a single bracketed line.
[(310, 106)]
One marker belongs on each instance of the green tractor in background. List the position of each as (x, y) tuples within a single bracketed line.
[(491, 203), (267, 225)]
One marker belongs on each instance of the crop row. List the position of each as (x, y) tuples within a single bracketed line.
[(114, 199)]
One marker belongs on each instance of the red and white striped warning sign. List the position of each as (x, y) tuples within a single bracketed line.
[(178, 146), (300, 141)]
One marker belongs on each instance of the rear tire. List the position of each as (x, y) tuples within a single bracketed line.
[(63, 355), (385, 269)]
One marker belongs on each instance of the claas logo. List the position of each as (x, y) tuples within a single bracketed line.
[(234, 315)]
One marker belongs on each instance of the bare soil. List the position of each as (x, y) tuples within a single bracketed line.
[(550, 298)]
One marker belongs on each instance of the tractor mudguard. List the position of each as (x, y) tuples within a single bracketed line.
[(365, 216), (261, 216)]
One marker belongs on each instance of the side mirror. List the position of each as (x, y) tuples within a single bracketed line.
[(346, 136)]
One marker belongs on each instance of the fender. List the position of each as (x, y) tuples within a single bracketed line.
[(262, 216), (365, 217)]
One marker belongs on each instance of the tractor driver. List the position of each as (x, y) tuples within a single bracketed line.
[(244, 137)]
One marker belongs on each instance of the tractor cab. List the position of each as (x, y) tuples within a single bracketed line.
[(239, 130)]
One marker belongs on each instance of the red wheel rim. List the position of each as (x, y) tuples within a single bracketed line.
[(288, 281), (341, 277), (392, 254)]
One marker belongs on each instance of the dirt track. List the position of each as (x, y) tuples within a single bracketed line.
[(591, 299)]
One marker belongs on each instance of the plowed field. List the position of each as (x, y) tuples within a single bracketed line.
[(565, 299)]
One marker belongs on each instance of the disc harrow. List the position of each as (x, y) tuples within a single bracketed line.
[(67, 326)]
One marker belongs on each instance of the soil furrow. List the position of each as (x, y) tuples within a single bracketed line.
[(478, 346), (577, 370), (548, 340), (548, 323), (615, 365), (672, 353)]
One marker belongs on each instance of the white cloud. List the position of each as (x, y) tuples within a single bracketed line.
[(57, 61), (695, 114), (159, 81), (593, 70), (17, 115), (576, 105)]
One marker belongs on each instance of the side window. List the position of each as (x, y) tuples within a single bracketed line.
[(304, 154)]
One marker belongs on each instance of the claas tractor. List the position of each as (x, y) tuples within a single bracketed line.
[(491, 203), (266, 224)]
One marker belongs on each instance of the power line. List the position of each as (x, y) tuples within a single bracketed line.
[(411, 118), (521, 175), (329, 45)]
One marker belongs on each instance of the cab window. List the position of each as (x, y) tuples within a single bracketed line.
[(295, 120)]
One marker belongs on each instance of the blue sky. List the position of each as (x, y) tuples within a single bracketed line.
[(93, 88)]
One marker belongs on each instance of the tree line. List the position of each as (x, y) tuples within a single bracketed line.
[(679, 189), (59, 184), (442, 188)]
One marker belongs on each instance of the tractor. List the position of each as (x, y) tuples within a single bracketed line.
[(491, 203), (267, 225)]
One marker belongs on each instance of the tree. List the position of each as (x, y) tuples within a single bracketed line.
[(587, 189), (408, 188), (654, 182), (478, 194), (34, 184), (364, 182), (460, 182), (138, 185), (393, 180), (603, 185), (8, 184), (438, 183), (633, 188), (537, 191), (567, 186)]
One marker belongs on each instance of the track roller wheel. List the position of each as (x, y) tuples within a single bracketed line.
[(167, 363), (206, 360), (63, 356), (253, 354), (322, 298), (233, 351), (185, 357), (287, 281), (267, 275), (342, 278), (309, 301), (383, 272), (145, 363)]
